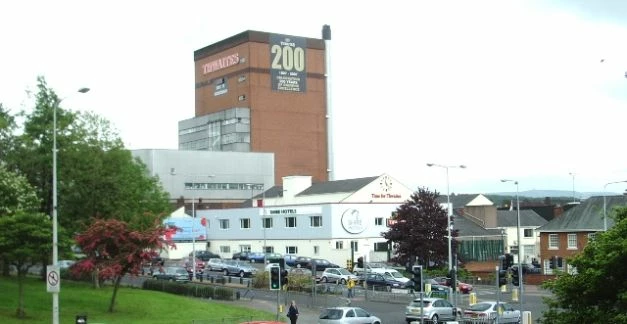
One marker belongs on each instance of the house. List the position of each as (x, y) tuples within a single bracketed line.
[(569, 233)]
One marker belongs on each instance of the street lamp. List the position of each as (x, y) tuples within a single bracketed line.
[(448, 209), (520, 275), (572, 174), (605, 203), (55, 239)]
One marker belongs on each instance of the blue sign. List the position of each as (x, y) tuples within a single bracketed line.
[(185, 227)]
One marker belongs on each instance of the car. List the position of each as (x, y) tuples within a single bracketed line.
[(347, 315), (204, 255), (380, 280), (337, 275), (488, 310), (238, 268), (215, 264), (290, 259), (303, 261), (179, 274), (296, 271), (200, 264), (368, 267), (463, 287), (320, 264), (527, 268), (243, 255), (394, 274), (431, 309), (66, 264)]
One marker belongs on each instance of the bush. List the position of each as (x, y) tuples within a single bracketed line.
[(190, 289)]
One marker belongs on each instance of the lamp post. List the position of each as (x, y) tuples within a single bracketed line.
[(572, 174), (55, 239), (448, 208), (605, 203), (520, 274)]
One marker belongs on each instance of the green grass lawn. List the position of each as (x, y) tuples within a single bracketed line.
[(133, 305)]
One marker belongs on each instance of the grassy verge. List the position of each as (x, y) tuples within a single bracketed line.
[(133, 305)]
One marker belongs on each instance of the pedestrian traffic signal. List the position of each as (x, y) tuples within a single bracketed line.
[(515, 277), (508, 261), (275, 278), (502, 277)]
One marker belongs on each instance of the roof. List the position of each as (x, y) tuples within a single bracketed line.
[(468, 228), (321, 188), (587, 217), (528, 218), (457, 200)]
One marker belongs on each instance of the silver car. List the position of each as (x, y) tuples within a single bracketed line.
[(347, 315), (215, 264), (340, 275), (239, 268), (433, 309), (489, 310)]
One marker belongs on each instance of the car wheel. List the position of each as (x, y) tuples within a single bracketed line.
[(343, 281), (226, 272), (242, 274), (325, 280), (435, 319)]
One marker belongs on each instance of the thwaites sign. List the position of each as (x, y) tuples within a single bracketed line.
[(287, 63)]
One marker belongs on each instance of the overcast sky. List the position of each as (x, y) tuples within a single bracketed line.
[(512, 89)]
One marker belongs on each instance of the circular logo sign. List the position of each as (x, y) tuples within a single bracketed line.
[(352, 221)]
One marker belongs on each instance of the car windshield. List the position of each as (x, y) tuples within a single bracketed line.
[(480, 307), (331, 314), (396, 274), (179, 271), (343, 271), (416, 303)]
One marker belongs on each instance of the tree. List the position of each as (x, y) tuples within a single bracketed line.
[(419, 229), (7, 127), (24, 239), (597, 290), (114, 249)]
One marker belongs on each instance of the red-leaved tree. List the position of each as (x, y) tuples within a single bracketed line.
[(113, 249)]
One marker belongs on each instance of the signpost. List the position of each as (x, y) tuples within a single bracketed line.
[(53, 279)]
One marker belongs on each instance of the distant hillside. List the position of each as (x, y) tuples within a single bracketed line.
[(553, 194)]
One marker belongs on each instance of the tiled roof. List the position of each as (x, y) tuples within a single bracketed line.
[(458, 201), (588, 216), (348, 185), (468, 228), (528, 218)]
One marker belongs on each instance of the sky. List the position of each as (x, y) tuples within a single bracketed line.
[(533, 91)]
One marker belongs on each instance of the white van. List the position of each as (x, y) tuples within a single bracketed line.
[(392, 273)]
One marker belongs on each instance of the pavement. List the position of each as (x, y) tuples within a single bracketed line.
[(308, 314)]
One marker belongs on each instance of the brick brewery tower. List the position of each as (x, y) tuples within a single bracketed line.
[(263, 92)]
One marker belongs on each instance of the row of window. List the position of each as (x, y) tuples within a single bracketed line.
[(378, 247), (554, 242), (290, 222)]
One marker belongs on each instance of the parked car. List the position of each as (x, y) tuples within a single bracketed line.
[(239, 268), (320, 264), (204, 255), (368, 267), (347, 315), (172, 274), (243, 255), (463, 287), (489, 310), (433, 310), (66, 264), (200, 264), (290, 259), (527, 268), (337, 275), (379, 280), (435, 286), (303, 261), (215, 264), (299, 271)]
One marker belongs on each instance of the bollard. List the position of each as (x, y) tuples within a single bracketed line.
[(504, 288), (427, 288), (526, 318), (514, 294), (229, 279), (472, 298)]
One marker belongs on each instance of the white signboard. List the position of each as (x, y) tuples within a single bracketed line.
[(53, 279)]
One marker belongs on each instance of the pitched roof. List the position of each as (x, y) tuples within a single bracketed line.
[(468, 228), (321, 188), (458, 201), (528, 218), (586, 217)]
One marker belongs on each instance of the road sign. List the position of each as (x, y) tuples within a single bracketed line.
[(53, 279)]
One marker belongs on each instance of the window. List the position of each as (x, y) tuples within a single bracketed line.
[(528, 232), (554, 242), (315, 221), (572, 241), (267, 222), (224, 224), (244, 222), (316, 250), (291, 250), (381, 247), (290, 221), (268, 249), (591, 236), (225, 249), (354, 246), (378, 221), (339, 245), (244, 248)]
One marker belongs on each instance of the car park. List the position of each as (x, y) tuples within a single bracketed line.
[(337, 275), (431, 309), (489, 310), (238, 268), (172, 274), (347, 315)]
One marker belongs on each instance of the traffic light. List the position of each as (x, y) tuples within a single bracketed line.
[(453, 275), (349, 265), (360, 262), (515, 277), (502, 277), (284, 279), (275, 278), (417, 275), (508, 261)]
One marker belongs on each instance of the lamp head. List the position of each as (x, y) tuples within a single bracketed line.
[(83, 90), (430, 164), (462, 166)]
